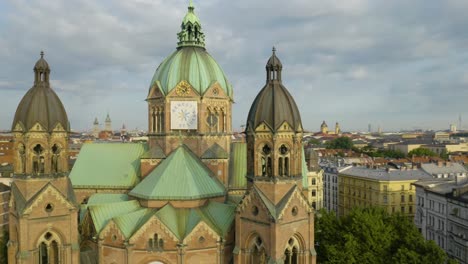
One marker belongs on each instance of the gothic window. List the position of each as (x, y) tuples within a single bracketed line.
[(55, 158), (38, 159), (257, 252), (291, 252), (155, 243), (161, 119), (283, 161), (153, 119), (48, 252), (266, 161)]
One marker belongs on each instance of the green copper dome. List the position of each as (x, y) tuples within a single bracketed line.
[(190, 62)]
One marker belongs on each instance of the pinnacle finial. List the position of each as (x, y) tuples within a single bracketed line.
[(42, 54), (191, 6), (274, 50), (191, 34)]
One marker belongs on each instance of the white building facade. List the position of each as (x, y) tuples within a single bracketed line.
[(442, 214)]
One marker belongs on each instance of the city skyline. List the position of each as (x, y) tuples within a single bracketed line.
[(396, 65)]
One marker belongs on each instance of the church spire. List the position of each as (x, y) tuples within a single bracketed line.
[(191, 33)]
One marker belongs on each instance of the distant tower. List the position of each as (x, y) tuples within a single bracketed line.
[(453, 128), (108, 123), (95, 128), (379, 130), (369, 128), (123, 130), (324, 128), (459, 122), (337, 128)]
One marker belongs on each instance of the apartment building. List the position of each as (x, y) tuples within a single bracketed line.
[(387, 188)]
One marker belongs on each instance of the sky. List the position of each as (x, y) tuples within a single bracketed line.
[(395, 64)]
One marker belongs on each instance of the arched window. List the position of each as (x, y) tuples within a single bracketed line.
[(155, 243), (38, 159), (266, 162), (291, 252), (283, 161), (153, 119), (55, 158), (257, 252), (48, 249)]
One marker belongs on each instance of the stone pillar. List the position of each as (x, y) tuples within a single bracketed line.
[(181, 249), (129, 249), (220, 243)]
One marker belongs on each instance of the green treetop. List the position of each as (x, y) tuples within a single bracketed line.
[(371, 235)]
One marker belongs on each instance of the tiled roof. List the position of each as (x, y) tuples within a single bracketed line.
[(434, 168), (386, 175), (182, 176), (108, 165)]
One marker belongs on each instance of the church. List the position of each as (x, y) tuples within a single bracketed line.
[(189, 195)]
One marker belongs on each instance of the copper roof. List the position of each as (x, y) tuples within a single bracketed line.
[(41, 104), (274, 105)]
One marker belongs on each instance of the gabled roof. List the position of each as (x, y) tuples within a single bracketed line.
[(101, 214), (275, 209), (182, 221), (156, 152), (181, 176), (238, 166), (108, 165), (219, 216), (132, 221), (24, 198), (215, 152), (102, 198)]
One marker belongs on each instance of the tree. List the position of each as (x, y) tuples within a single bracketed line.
[(340, 143), (444, 154), (3, 247), (314, 141), (421, 152), (371, 235)]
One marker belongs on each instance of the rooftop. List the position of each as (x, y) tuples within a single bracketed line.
[(386, 174)]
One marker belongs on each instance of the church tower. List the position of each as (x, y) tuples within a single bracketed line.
[(96, 128), (43, 212), (108, 123), (337, 128), (274, 221), (189, 102), (324, 128)]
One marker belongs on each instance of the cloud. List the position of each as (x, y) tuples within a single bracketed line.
[(394, 63)]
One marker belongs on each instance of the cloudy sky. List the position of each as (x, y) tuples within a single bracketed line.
[(396, 64)]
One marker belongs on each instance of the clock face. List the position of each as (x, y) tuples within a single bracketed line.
[(184, 115)]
